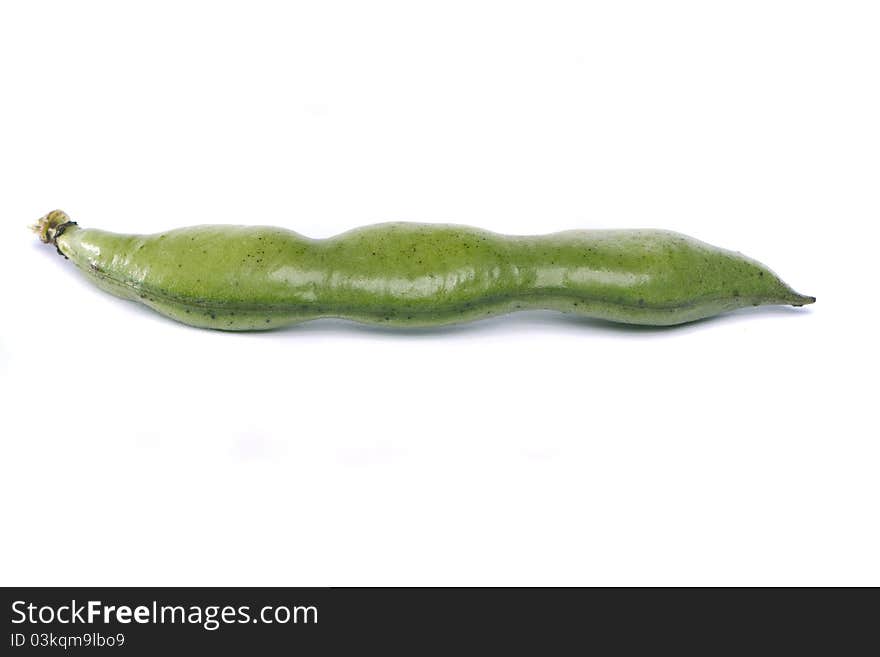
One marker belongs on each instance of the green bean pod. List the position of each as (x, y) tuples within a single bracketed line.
[(241, 278)]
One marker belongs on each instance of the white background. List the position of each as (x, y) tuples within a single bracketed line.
[(531, 449)]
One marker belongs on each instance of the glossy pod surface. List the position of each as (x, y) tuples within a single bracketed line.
[(405, 274)]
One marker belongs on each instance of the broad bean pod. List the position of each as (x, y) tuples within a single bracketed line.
[(241, 278)]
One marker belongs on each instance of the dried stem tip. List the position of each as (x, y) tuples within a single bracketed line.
[(47, 227)]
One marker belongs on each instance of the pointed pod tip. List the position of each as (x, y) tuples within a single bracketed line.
[(802, 300)]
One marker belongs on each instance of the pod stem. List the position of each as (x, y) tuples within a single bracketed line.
[(50, 227)]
